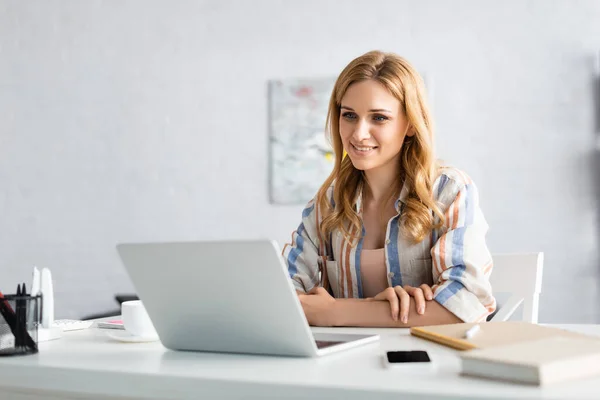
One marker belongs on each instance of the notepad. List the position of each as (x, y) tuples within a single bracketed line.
[(538, 362), (491, 334)]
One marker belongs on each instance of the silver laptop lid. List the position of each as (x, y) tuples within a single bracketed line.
[(224, 296)]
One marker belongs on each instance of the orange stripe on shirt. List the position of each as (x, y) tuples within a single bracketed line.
[(491, 306), (452, 211), (283, 251), (442, 252), (435, 256), (436, 260), (287, 244), (488, 267)]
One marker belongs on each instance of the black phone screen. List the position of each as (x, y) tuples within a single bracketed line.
[(407, 356)]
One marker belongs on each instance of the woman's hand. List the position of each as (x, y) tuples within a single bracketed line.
[(399, 298), (317, 306)]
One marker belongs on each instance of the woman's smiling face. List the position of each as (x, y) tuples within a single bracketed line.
[(372, 125)]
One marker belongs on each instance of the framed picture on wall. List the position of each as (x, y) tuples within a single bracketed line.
[(301, 157)]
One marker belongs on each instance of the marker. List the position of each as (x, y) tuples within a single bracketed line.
[(35, 283), (47, 299), (472, 331)]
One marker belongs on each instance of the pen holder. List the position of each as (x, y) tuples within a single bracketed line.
[(19, 320)]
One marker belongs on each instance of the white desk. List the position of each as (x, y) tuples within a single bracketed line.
[(87, 364)]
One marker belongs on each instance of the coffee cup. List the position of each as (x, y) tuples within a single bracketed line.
[(136, 320)]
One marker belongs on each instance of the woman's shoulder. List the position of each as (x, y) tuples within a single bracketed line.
[(454, 174), (313, 203), (449, 182), (328, 194)]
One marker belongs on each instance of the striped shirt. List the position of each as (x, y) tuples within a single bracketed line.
[(454, 259)]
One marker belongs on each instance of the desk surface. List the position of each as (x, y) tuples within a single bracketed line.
[(88, 364)]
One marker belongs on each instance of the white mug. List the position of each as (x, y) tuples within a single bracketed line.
[(136, 320)]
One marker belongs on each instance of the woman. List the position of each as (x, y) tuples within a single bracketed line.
[(389, 229)]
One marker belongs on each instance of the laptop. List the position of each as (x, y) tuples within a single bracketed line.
[(226, 296)]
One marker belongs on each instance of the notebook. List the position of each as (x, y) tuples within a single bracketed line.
[(491, 334), (538, 362)]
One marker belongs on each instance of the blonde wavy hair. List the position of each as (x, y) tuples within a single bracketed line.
[(417, 167)]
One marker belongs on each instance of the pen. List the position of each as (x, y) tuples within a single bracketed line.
[(472, 331), (18, 310), (22, 314)]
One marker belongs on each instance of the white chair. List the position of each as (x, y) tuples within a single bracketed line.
[(521, 276)]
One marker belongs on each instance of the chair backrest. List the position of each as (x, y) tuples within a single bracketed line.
[(521, 276)]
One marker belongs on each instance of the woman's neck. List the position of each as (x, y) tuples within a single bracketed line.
[(379, 182)]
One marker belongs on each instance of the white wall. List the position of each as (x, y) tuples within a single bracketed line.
[(147, 120)]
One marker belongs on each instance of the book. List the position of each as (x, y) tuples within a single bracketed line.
[(538, 362), (111, 324), (490, 334)]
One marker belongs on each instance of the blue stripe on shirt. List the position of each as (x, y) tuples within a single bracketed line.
[(443, 180), (357, 264), (458, 236), (458, 262), (296, 251), (448, 291), (306, 212), (392, 253)]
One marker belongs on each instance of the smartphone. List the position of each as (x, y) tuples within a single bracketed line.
[(404, 357)]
